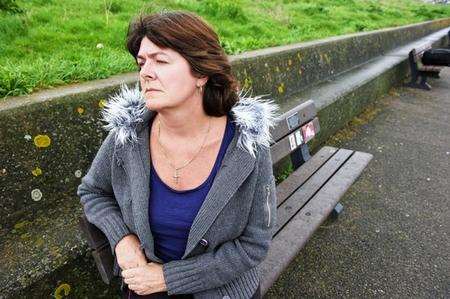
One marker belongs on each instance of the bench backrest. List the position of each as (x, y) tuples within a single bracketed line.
[(417, 53), (293, 130)]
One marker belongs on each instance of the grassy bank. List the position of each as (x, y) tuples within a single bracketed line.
[(48, 43)]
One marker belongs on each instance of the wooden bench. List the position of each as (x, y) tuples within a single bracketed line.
[(305, 198), (418, 69), (311, 192)]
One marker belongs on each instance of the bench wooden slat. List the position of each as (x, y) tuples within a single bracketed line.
[(297, 200), (429, 68), (284, 247), (298, 177)]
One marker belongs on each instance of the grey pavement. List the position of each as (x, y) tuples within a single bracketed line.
[(393, 238)]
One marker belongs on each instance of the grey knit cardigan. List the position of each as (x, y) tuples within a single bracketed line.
[(230, 235)]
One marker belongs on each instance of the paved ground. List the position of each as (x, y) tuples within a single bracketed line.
[(393, 239)]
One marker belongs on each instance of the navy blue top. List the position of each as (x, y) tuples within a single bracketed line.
[(171, 213)]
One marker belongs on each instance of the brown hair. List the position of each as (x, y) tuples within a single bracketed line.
[(196, 41)]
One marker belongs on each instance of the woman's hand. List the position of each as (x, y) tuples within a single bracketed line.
[(129, 253), (146, 279)]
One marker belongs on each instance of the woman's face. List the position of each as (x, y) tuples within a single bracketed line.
[(169, 73)]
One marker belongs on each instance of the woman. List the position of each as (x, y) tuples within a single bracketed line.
[(182, 186)]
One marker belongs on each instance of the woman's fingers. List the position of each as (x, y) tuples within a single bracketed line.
[(134, 287), (130, 281)]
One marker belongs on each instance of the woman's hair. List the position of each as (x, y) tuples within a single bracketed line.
[(196, 41)]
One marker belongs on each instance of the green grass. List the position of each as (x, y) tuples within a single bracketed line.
[(54, 42)]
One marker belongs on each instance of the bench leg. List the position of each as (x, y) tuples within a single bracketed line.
[(414, 77), (414, 70), (338, 209), (423, 83)]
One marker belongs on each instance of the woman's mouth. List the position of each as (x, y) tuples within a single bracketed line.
[(151, 90)]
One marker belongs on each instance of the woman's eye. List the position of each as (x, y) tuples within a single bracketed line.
[(160, 61)]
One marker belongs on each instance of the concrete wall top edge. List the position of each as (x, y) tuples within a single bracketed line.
[(67, 91), (300, 45)]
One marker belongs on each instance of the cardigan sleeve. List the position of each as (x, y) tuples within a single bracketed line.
[(234, 257), (97, 196)]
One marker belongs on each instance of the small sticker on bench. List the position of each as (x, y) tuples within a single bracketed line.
[(308, 131), (292, 142), (298, 137), (293, 121)]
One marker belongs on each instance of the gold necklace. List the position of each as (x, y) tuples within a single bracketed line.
[(176, 174)]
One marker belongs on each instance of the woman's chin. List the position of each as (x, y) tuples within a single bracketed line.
[(153, 104), (150, 106)]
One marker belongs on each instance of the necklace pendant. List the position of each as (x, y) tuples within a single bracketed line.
[(176, 176)]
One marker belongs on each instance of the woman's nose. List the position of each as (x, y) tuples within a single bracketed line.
[(147, 71)]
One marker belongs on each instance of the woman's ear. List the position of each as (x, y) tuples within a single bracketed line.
[(202, 81)]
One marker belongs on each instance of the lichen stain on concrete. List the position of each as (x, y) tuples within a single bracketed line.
[(36, 194), (42, 141), (247, 82), (102, 103), (39, 242), (36, 171), (78, 173), (281, 88), (55, 251), (299, 56), (25, 236), (63, 288), (22, 224), (80, 110)]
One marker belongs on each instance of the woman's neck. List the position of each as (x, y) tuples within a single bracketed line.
[(184, 122)]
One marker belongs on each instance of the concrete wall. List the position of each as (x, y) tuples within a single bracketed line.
[(284, 71)]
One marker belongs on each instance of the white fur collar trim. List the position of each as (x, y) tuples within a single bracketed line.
[(253, 117)]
